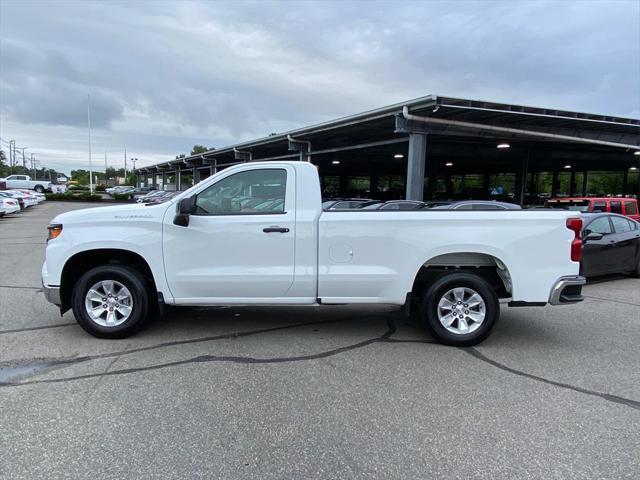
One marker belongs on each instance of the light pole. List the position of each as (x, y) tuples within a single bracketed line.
[(89, 128), (12, 153)]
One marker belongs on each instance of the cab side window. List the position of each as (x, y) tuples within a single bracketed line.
[(599, 225), (253, 192), (599, 207), (631, 208)]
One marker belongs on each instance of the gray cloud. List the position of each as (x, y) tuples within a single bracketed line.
[(162, 75)]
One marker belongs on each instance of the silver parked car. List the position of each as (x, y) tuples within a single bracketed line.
[(478, 205)]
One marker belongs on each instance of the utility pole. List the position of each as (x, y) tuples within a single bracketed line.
[(24, 163), (12, 153), (125, 165), (89, 128)]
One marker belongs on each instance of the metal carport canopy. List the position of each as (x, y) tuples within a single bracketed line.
[(459, 117)]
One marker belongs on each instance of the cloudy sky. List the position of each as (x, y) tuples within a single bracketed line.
[(163, 76)]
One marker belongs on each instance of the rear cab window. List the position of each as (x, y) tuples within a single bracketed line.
[(599, 206)]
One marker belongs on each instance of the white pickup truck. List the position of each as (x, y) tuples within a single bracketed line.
[(25, 182), (256, 233)]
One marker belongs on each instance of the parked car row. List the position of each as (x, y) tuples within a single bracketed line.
[(119, 189), (623, 206), (156, 196), (142, 194), (368, 204), (15, 200)]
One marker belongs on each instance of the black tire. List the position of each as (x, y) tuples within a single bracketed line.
[(39, 188), (130, 278), (435, 292)]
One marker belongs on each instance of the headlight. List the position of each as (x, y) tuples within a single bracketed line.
[(55, 229)]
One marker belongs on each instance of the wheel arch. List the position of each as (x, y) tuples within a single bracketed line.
[(80, 262), (486, 265)]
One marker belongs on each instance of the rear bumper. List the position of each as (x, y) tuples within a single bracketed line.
[(567, 290)]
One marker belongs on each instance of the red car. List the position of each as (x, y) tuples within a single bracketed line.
[(621, 206)]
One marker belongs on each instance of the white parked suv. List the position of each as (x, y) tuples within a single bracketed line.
[(256, 234)]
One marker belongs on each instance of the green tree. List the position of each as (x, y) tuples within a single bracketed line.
[(4, 168), (199, 149)]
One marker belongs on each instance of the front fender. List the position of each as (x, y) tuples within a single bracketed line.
[(143, 240)]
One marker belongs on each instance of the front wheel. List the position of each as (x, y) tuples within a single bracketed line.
[(460, 309), (111, 301)]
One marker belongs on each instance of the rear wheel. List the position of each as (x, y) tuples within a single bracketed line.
[(460, 309), (111, 301), (39, 188)]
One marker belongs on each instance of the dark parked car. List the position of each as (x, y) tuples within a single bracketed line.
[(395, 205), (139, 192), (479, 205), (347, 203), (149, 196), (437, 203), (162, 197), (611, 244)]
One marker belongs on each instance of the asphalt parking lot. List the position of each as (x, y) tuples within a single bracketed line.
[(337, 392)]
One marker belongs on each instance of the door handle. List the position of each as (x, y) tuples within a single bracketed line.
[(275, 230)]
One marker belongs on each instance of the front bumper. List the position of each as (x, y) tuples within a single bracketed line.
[(567, 290), (52, 294)]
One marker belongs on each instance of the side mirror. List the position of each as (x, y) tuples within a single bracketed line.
[(183, 210), (593, 236)]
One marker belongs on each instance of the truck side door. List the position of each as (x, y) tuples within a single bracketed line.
[(240, 240)]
